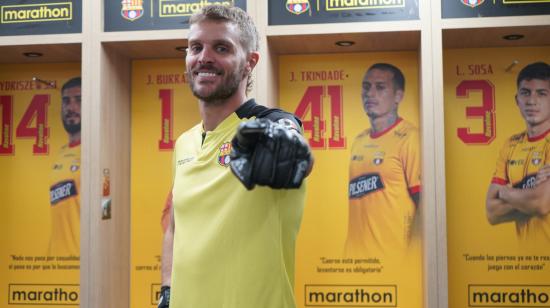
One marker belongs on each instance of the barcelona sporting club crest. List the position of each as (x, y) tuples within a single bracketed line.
[(223, 157), (297, 6), (472, 3), (132, 9)]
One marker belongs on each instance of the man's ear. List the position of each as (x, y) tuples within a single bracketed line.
[(516, 98), (251, 61), (399, 94)]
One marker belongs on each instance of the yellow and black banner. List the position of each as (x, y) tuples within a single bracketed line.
[(131, 15), (488, 8), (490, 261), (18, 17), (292, 12), (40, 184)]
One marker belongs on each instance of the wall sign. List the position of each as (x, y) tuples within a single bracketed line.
[(131, 15), (292, 12), (487, 8), (20, 17), (492, 260)]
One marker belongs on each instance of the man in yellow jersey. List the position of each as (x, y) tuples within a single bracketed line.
[(65, 178), (232, 245), (520, 188), (384, 179)]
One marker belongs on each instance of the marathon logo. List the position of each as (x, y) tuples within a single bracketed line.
[(509, 296), (43, 294), (339, 5), (36, 12), (364, 185), (527, 182), (179, 8), (62, 191), (351, 296)]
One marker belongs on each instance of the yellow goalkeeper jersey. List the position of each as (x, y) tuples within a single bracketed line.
[(519, 161), (233, 248), (384, 173), (65, 202)]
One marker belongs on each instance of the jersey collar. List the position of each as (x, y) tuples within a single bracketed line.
[(539, 137), (379, 134)]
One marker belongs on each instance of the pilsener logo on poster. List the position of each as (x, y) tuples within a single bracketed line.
[(36, 12)]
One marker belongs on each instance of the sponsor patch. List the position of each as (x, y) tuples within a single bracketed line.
[(365, 184), (62, 190), (516, 162), (184, 161), (223, 156), (527, 182)]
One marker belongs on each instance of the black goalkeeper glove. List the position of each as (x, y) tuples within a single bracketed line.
[(270, 154), (164, 300)]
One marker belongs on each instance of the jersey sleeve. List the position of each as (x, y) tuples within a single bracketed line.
[(547, 152), (410, 157), (499, 176)]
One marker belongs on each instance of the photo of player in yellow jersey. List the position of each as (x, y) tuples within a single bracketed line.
[(65, 177), (520, 189), (384, 172)]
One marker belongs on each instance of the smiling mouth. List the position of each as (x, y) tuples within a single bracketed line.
[(206, 74)]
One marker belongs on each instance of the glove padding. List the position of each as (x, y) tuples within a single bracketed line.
[(164, 299), (270, 154)]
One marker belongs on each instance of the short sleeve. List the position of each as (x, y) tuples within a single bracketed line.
[(499, 176), (410, 157)]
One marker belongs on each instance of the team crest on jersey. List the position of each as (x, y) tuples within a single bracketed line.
[(537, 159), (132, 9), (378, 158), (297, 7), (223, 156), (472, 3)]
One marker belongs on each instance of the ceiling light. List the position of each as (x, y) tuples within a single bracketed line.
[(513, 37), (345, 43), (32, 54)]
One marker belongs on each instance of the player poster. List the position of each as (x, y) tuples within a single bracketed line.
[(40, 184), (497, 142), (163, 107), (359, 244)]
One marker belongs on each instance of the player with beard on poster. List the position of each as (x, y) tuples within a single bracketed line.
[(384, 174), (237, 190), (65, 178), (520, 188)]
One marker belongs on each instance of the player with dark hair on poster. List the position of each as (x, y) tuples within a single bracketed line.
[(65, 177), (520, 188), (384, 178)]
